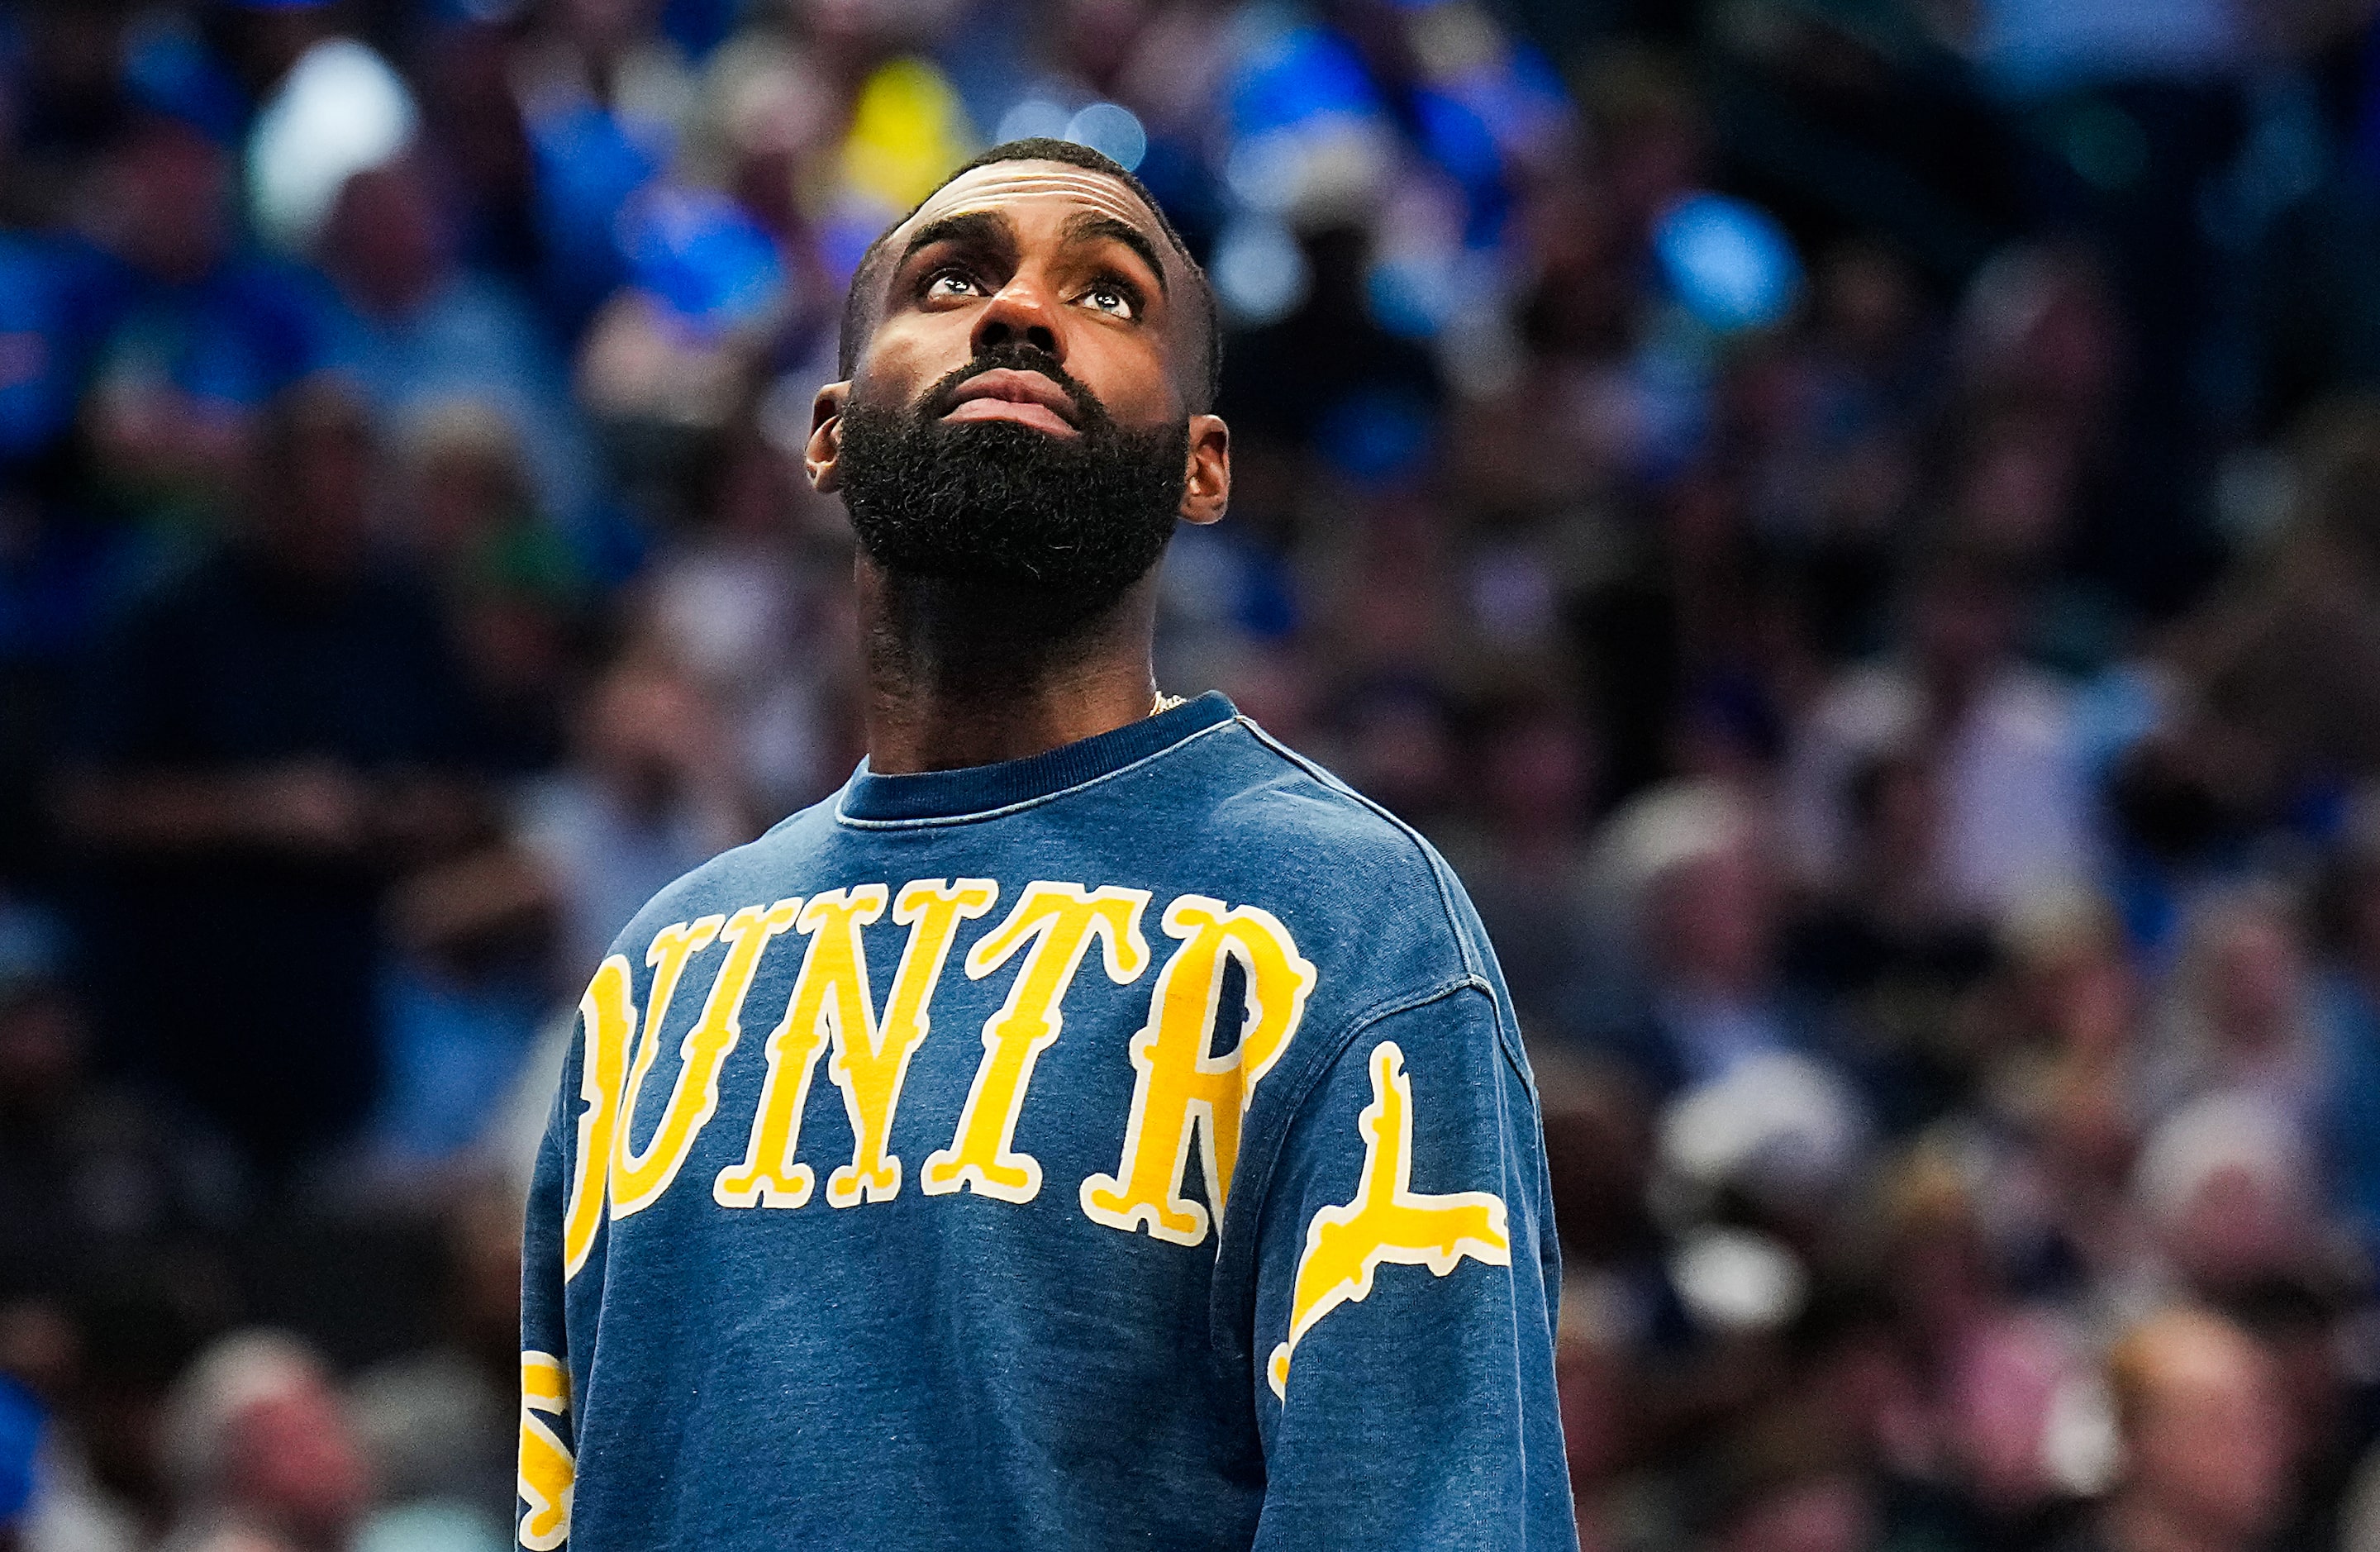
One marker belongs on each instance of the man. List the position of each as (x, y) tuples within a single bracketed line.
[(1182, 1183)]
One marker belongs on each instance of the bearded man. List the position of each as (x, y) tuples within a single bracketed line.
[(1177, 1178)]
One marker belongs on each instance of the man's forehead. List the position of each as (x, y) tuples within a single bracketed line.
[(1005, 184)]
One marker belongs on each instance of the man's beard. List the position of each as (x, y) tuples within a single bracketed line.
[(1075, 519)]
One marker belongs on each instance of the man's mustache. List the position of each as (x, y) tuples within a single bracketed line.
[(943, 396)]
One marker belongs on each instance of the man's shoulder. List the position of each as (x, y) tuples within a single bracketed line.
[(1241, 819), (1258, 788), (1240, 795), (1313, 845)]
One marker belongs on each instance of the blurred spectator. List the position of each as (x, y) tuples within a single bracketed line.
[(2285, 660), (2322, 1357), (602, 94), (1704, 901), (440, 1423), (2205, 1438), (2014, 816), (747, 597), (2060, 1036), (415, 330), (202, 336), (260, 1452), (110, 1362), (85, 1169), (2230, 1191), (1899, 962), (1528, 871), (473, 130), (264, 742), (646, 796), (517, 598), (2240, 1020), (1787, 1493), (461, 1003), (1969, 1434)]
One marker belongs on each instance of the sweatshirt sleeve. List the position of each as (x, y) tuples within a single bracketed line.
[(547, 1460), (1405, 1287)]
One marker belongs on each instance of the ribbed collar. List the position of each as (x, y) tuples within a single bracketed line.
[(869, 798)]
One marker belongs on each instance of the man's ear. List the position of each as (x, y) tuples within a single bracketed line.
[(1208, 488), (822, 454)]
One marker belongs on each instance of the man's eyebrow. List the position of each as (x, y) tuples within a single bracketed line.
[(1091, 223), (986, 228)]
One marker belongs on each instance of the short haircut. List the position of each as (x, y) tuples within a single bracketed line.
[(869, 276)]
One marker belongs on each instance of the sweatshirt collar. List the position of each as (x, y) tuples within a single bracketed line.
[(977, 791)]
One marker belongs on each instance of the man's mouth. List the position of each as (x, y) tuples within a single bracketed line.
[(1026, 398)]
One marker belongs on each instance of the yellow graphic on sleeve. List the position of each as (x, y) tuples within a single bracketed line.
[(869, 1062), (547, 1469), (608, 1015), (1387, 1222), (829, 1000), (638, 1179), (1058, 921), (1179, 1085)]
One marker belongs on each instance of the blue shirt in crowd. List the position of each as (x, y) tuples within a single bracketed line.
[(1126, 1146)]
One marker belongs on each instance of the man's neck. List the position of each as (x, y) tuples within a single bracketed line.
[(961, 674)]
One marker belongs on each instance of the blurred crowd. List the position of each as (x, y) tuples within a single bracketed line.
[(1855, 524)]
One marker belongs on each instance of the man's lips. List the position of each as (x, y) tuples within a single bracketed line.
[(1004, 394)]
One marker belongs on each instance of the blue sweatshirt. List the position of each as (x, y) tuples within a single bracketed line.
[(1126, 1146)]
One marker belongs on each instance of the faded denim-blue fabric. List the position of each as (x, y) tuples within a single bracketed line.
[(1130, 1146)]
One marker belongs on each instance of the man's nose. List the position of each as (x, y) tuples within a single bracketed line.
[(1020, 312)]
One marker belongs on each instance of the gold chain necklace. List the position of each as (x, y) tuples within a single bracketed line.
[(1163, 703)]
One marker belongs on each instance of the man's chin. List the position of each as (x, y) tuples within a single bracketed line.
[(995, 506)]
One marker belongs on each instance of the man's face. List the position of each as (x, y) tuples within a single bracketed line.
[(1020, 412)]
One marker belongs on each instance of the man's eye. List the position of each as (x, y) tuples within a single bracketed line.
[(950, 282), (1110, 299)]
